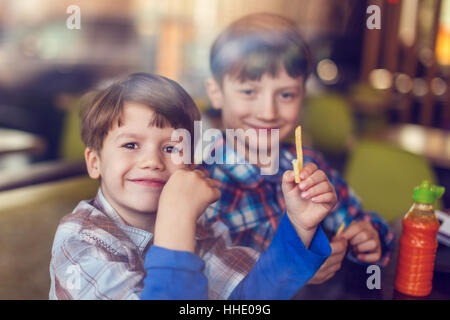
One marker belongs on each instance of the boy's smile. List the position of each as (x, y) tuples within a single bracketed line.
[(270, 103), (149, 182), (134, 163)]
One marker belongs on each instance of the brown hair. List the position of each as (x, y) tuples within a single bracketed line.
[(171, 103), (257, 44)]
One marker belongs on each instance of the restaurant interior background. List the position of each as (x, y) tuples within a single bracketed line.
[(377, 104)]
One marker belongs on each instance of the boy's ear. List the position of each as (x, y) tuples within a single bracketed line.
[(92, 163), (214, 93)]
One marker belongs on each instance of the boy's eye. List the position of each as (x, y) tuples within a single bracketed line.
[(287, 95), (130, 145), (248, 92), (171, 149)]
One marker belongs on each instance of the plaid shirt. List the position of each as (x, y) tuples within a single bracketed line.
[(95, 255), (252, 204)]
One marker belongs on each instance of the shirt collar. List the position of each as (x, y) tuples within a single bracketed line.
[(238, 168), (139, 237)]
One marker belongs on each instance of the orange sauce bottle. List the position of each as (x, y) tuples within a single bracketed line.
[(418, 243)]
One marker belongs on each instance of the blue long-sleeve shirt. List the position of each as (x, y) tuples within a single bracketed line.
[(279, 273)]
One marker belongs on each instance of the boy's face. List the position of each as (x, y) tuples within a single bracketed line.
[(270, 103), (135, 162)]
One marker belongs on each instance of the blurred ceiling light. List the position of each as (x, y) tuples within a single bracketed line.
[(426, 22), (443, 36), (403, 83), (407, 27), (438, 86), (327, 71), (380, 79), (412, 139), (420, 87)]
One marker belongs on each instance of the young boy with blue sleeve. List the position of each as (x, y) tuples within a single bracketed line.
[(144, 237), (259, 67)]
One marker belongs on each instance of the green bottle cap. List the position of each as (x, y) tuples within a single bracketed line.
[(427, 193)]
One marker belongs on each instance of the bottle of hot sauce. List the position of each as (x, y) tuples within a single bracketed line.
[(418, 243)]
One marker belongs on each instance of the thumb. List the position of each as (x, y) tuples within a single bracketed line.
[(288, 181), (338, 244), (351, 231)]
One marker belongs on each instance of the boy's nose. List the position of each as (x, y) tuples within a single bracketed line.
[(267, 110), (151, 161)]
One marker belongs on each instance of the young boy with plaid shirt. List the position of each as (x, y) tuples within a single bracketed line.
[(141, 236), (259, 67)]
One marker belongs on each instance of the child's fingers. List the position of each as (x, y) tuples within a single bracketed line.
[(216, 194), (367, 246), (288, 180), (216, 183), (318, 189), (213, 183), (328, 277), (338, 246), (200, 173), (364, 232), (362, 237), (369, 257), (334, 259), (210, 181), (332, 269), (307, 170), (315, 178), (352, 230), (289, 176), (324, 198)]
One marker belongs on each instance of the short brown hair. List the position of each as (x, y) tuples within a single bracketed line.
[(257, 44), (171, 103)]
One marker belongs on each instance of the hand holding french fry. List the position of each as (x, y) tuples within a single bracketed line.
[(363, 240), (309, 202), (308, 194), (334, 262)]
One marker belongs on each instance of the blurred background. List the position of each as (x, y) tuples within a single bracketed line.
[(377, 105)]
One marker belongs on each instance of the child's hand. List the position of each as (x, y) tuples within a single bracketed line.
[(309, 202), (333, 263), (183, 199), (189, 193), (364, 241)]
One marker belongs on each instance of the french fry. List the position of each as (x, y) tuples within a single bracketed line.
[(296, 172), (340, 229), (297, 164)]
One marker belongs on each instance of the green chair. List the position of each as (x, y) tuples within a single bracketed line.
[(72, 147), (383, 177), (370, 107), (328, 123), (28, 220)]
